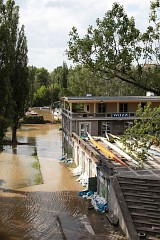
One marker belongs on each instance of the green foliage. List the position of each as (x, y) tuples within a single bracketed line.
[(32, 87), (59, 81), (36, 165), (3, 128), (33, 119), (71, 165), (41, 97), (144, 132), (19, 80), (115, 45), (38, 180), (82, 80), (5, 64), (13, 67), (40, 93), (42, 77), (64, 75)]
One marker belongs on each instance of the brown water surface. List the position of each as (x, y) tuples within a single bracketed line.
[(51, 210)]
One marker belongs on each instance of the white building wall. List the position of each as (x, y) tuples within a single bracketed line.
[(83, 159)]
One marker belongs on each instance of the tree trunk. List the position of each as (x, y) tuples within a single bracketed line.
[(14, 129), (14, 134)]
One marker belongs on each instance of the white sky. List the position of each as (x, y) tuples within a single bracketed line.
[(48, 23)]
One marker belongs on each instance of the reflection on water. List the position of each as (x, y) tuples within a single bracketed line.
[(16, 166), (16, 161), (51, 210), (37, 212)]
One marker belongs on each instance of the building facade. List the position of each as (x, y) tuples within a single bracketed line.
[(100, 115), (129, 191)]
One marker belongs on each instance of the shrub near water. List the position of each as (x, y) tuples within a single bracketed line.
[(33, 119)]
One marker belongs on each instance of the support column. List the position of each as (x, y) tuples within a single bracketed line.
[(70, 107), (117, 107), (94, 107)]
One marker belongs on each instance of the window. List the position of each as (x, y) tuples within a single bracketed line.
[(101, 108), (105, 128), (87, 108), (123, 107), (84, 128)]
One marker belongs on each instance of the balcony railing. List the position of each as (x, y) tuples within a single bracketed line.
[(73, 115)]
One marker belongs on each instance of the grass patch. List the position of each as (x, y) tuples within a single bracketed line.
[(38, 179), (36, 165)]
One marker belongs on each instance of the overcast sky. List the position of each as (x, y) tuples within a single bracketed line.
[(48, 23)]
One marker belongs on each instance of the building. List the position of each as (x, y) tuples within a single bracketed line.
[(100, 115), (133, 195)]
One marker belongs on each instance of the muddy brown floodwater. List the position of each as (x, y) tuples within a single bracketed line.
[(51, 210)]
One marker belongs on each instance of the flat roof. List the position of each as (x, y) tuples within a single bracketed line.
[(111, 98)]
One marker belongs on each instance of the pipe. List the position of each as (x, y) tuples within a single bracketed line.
[(106, 151)]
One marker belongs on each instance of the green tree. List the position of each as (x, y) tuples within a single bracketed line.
[(144, 132), (64, 75), (82, 80), (32, 88), (13, 67), (117, 50), (41, 97), (39, 78), (59, 81), (42, 77), (5, 88), (19, 81)]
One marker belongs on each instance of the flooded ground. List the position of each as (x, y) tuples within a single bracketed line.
[(51, 210)]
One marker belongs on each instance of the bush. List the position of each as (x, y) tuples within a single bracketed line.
[(33, 119)]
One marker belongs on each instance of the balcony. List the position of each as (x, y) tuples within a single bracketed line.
[(99, 116)]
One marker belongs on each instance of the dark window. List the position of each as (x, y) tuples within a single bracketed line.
[(101, 108), (87, 108), (123, 107)]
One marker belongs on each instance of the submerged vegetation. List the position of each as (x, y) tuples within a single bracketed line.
[(38, 179)]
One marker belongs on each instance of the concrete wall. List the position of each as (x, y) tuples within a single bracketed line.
[(74, 127), (117, 205), (94, 128), (117, 127), (84, 160)]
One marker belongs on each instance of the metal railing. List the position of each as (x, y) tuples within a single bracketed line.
[(76, 115)]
